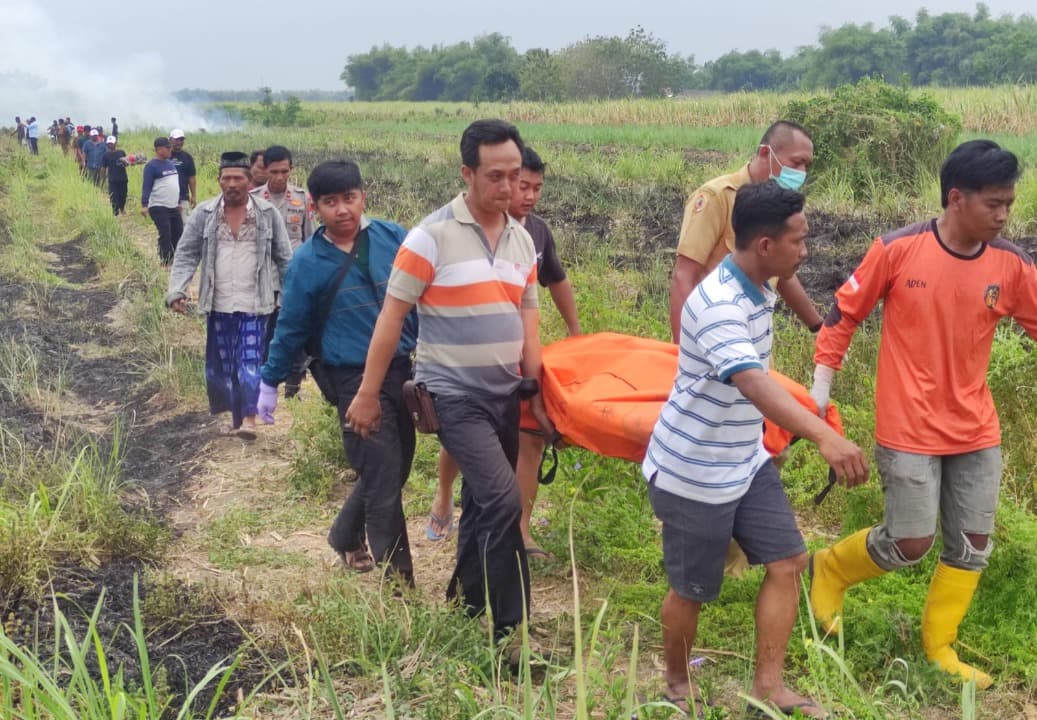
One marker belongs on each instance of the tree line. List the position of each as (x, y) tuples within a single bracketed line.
[(955, 49)]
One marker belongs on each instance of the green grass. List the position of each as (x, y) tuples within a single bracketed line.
[(78, 680), (63, 506), (614, 197)]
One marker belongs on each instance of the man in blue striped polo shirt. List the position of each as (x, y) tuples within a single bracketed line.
[(709, 477)]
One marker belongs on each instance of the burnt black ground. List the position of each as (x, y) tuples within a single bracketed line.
[(189, 635)]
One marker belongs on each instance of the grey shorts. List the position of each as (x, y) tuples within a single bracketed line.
[(696, 534), (958, 490)]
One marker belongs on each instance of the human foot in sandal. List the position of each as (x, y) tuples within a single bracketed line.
[(244, 432), (689, 701), (359, 560), (787, 703)]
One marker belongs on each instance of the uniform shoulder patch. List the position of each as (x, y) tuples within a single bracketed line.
[(699, 202)]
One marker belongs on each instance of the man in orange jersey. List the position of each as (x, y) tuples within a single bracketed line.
[(470, 269), (945, 283)]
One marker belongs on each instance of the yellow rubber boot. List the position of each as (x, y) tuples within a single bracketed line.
[(833, 570), (950, 594)]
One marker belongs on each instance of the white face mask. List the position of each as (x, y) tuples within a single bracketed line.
[(788, 178)]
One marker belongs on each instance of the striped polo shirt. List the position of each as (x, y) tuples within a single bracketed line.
[(469, 300), (708, 441)]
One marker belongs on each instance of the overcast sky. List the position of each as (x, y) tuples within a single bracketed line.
[(131, 47)]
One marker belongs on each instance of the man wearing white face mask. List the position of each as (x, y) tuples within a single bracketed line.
[(784, 155)]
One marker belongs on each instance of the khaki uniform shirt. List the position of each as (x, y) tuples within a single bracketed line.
[(294, 208), (706, 232)]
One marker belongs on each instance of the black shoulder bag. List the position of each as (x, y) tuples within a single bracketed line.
[(315, 342)]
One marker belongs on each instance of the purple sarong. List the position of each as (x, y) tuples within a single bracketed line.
[(234, 349)]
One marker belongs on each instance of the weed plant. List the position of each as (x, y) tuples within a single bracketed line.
[(317, 458), (63, 506), (78, 681)]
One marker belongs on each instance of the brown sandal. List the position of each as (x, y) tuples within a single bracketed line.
[(359, 560), (245, 432), (683, 703)]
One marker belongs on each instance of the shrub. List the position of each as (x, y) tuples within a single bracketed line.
[(873, 135)]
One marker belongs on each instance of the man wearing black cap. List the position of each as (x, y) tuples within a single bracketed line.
[(242, 246)]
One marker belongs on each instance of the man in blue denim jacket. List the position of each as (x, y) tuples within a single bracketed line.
[(242, 246)]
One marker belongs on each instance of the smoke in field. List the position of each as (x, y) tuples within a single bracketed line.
[(43, 74)]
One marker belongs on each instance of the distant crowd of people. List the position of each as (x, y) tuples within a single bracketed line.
[(292, 281), (28, 133), (97, 155)]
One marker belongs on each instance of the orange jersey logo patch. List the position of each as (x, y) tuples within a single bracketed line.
[(991, 296)]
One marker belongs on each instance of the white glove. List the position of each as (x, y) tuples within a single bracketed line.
[(822, 387), (267, 402)]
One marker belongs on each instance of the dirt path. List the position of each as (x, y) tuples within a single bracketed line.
[(91, 379)]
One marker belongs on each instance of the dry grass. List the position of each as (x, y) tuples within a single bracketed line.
[(1001, 109)]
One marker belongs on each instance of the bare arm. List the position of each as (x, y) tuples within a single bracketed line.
[(364, 413), (687, 273), (792, 292), (191, 183), (532, 365), (565, 301), (780, 407)]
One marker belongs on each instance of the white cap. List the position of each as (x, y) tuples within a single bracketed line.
[(94, 133), (110, 140), (176, 133)]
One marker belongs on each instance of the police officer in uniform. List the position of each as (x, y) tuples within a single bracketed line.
[(290, 200)]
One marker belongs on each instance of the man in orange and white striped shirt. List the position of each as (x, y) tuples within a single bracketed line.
[(471, 271)]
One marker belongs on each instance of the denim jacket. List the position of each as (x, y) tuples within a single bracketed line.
[(197, 246)]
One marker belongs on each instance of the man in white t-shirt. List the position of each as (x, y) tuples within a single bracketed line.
[(709, 477)]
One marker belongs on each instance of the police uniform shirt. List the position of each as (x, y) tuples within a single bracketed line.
[(294, 208)]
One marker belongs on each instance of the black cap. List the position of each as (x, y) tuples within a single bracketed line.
[(234, 159)]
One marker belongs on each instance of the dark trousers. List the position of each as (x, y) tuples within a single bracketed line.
[(170, 227), (481, 434), (34, 145), (117, 194), (382, 463)]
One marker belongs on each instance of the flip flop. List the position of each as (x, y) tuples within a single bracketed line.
[(751, 711), (447, 525), (532, 551), (684, 705), (239, 432)]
